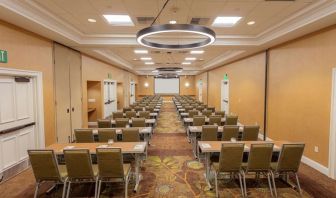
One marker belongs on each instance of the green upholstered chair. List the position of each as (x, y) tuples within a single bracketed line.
[(221, 113), (231, 120), (144, 114), (209, 133), (250, 133), (230, 131), (111, 167), (138, 122), (104, 123), (288, 162), (84, 136), (215, 119), (150, 108), (79, 167), (106, 134), (212, 109), (130, 135), (230, 162), (117, 115), (121, 122), (125, 109), (130, 114), (198, 120), (193, 113), (138, 108), (207, 113), (45, 168)]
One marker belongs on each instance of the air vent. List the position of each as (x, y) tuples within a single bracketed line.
[(145, 20), (155, 52), (168, 69), (199, 21)]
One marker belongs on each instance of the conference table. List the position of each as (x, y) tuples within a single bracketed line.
[(152, 115), (135, 148), (208, 147), (150, 122)]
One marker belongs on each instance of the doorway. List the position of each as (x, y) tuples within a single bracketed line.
[(120, 96), (200, 90), (132, 92), (225, 96)]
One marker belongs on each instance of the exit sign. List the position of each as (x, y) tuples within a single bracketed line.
[(3, 56)]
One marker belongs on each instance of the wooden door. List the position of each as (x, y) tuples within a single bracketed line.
[(120, 96), (62, 93)]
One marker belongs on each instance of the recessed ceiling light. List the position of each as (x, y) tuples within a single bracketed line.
[(197, 52), (141, 51), (155, 71), (226, 21), (186, 63), (251, 23), (172, 22), (122, 20), (146, 58), (92, 20), (190, 58), (149, 63)]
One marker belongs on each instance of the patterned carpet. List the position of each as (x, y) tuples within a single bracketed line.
[(169, 171)]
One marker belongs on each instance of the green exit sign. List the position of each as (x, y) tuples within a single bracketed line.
[(3, 56)]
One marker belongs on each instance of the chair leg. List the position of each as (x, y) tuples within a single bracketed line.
[(68, 191), (269, 183), (216, 185), (37, 185), (241, 184), (273, 180), (64, 187), (244, 183), (126, 186), (98, 188), (298, 183)]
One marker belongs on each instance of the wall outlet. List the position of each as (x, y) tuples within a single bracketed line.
[(316, 149)]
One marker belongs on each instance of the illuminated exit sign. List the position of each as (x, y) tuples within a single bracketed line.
[(3, 56)]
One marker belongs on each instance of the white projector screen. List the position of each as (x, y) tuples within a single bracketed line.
[(167, 85)]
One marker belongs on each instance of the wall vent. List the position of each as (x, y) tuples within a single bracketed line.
[(199, 21), (145, 20)]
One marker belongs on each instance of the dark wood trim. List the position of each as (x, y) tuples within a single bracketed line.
[(266, 91), (16, 128)]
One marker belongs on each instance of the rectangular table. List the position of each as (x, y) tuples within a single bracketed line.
[(152, 115), (208, 147), (145, 131), (135, 148), (147, 121)]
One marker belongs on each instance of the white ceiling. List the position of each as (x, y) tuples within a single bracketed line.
[(65, 21)]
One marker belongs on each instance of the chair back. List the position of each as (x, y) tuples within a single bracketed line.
[(198, 120), (104, 123), (221, 113), (200, 108), (207, 113), (215, 119), (209, 133), (188, 108), (290, 157), (193, 113), (121, 122), (78, 164), (130, 135), (44, 165), (230, 131), (138, 122), (117, 115), (110, 163), (150, 109), (250, 133), (231, 120), (84, 135), (131, 114), (231, 157), (138, 108), (212, 109), (106, 134), (144, 114), (125, 109), (260, 157)]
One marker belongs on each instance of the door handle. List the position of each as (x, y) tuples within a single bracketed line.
[(68, 110), (73, 109)]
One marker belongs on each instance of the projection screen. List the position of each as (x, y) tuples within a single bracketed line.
[(167, 85)]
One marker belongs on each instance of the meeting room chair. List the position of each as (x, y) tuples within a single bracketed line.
[(259, 161), (144, 114), (125, 109), (209, 133), (107, 134), (221, 113), (207, 113), (250, 133), (192, 113), (111, 167), (117, 115), (130, 114), (84, 136), (230, 162), (138, 108), (121, 122), (45, 168), (229, 132), (150, 109), (288, 162), (79, 167), (215, 119), (198, 120), (130, 135), (212, 109), (231, 120), (104, 123), (138, 122)]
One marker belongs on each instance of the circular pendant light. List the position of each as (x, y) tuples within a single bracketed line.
[(176, 28)]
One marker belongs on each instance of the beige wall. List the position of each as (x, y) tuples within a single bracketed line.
[(300, 92), (204, 78), (95, 70), (141, 89), (184, 90), (28, 51), (246, 85)]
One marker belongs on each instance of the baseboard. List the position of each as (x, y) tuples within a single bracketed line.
[(14, 170), (313, 164)]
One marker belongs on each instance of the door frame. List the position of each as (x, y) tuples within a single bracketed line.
[(200, 91), (221, 102), (130, 92), (332, 133), (38, 102)]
